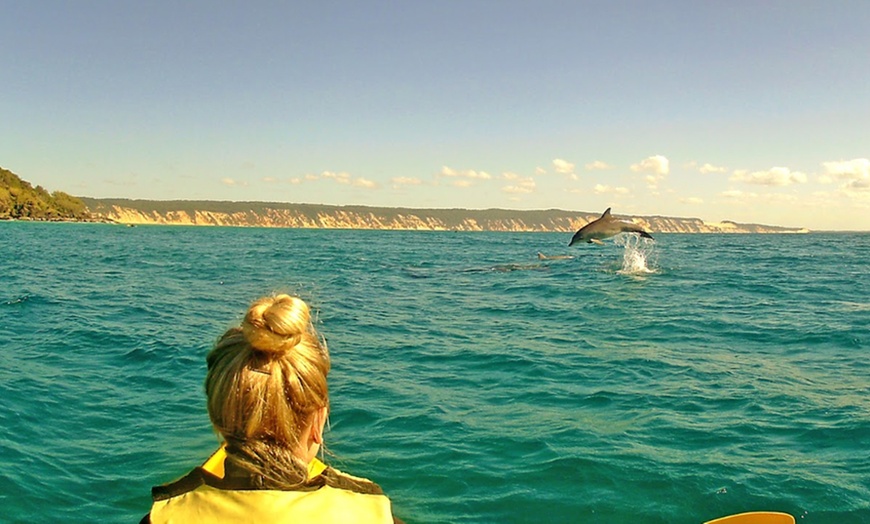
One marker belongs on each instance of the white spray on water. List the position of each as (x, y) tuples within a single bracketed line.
[(638, 254)]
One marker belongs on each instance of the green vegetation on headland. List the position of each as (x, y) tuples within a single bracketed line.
[(275, 214), (21, 201)]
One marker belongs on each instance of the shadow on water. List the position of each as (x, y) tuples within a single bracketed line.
[(421, 272), (638, 260), (506, 268)]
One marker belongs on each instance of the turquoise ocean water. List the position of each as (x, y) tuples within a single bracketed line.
[(674, 381)]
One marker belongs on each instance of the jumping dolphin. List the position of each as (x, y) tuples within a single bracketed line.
[(605, 227)]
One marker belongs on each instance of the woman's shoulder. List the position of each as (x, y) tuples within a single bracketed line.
[(341, 480), (333, 496), (354, 499)]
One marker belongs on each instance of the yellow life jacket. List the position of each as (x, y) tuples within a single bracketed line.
[(200, 497)]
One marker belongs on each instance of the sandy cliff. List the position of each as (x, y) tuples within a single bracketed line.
[(260, 214)]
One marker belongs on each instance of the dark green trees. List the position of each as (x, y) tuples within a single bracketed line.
[(20, 200)]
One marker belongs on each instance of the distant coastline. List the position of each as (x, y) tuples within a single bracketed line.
[(275, 214), (19, 200)]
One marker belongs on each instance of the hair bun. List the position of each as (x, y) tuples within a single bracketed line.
[(276, 324)]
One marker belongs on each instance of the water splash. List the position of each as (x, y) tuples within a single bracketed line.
[(638, 255)]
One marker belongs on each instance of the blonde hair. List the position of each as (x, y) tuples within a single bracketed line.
[(266, 379)]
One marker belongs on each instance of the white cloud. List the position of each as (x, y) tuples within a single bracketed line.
[(776, 176), (270, 180), (228, 181), (710, 168), (563, 167), (737, 194), (342, 177), (462, 182), (653, 180), (597, 165), (364, 182), (772, 199), (854, 173), (692, 200), (468, 173), (525, 185), (602, 189), (400, 181), (857, 168), (507, 175), (540, 171), (657, 165)]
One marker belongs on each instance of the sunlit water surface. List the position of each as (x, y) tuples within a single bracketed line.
[(669, 381)]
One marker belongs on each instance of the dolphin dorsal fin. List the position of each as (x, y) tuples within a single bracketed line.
[(606, 213)]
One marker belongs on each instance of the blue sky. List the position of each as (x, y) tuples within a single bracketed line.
[(722, 110)]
